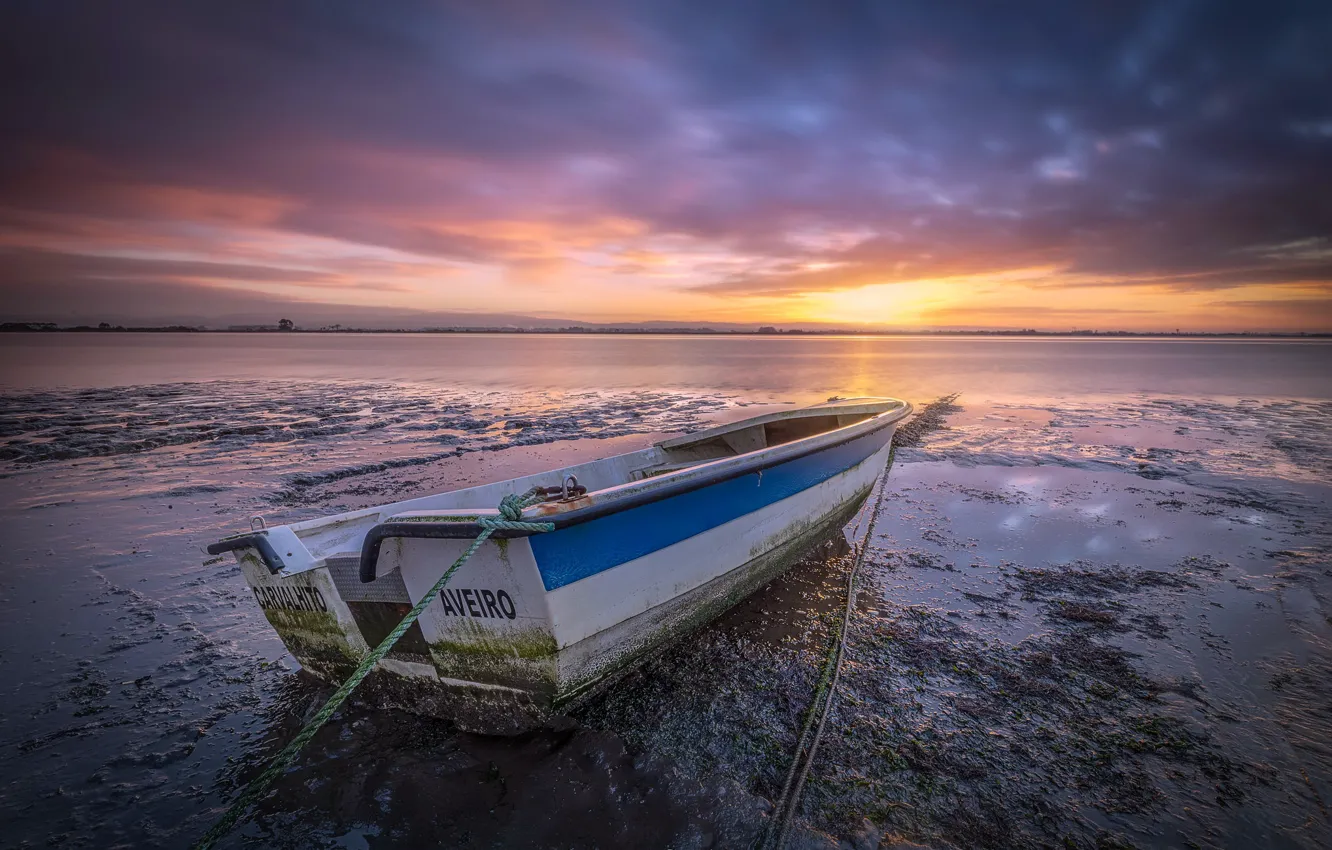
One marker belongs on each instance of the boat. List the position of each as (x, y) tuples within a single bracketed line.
[(645, 547)]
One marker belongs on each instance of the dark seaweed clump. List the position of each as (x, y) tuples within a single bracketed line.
[(930, 418)]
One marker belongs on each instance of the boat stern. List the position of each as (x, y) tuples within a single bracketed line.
[(482, 653)]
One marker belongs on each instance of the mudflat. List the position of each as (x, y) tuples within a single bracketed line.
[(1090, 618)]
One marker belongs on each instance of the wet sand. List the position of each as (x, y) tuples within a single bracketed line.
[(139, 680), (1098, 623), (1105, 651)]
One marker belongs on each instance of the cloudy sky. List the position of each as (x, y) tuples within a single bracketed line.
[(1098, 164)]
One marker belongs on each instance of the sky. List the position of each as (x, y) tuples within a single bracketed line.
[(1106, 164)]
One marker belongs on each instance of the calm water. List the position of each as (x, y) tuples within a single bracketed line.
[(139, 682), (795, 369)]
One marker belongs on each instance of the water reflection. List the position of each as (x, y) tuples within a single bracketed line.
[(797, 369)]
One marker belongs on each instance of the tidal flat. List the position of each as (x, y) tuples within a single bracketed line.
[(1111, 650), (1086, 619)]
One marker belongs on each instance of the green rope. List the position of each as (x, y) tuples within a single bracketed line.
[(510, 519), (779, 823)]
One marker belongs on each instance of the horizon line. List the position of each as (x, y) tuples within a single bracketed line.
[(682, 330)]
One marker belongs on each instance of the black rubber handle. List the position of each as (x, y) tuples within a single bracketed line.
[(259, 540), (445, 530)]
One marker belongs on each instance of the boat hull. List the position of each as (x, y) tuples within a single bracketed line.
[(653, 600), (530, 625)]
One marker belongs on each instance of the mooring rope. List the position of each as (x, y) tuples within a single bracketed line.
[(779, 826), (510, 519)]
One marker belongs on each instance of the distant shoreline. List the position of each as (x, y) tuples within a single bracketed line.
[(49, 328)]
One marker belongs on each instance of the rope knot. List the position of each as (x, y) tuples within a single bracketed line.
[(511, 507)]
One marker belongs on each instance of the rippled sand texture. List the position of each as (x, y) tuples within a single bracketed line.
[(233, 416)]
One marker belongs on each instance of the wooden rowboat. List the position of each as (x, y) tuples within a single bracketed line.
[(646, 546)]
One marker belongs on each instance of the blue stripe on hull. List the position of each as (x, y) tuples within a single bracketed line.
[(576, 552)]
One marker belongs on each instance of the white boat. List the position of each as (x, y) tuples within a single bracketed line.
[(646, 546)]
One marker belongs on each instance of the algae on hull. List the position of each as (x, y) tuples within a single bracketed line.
[(319, 639), (520, 658), (314, 639)]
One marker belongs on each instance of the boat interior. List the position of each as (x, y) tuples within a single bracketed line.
[(762, 432), (341, 534)]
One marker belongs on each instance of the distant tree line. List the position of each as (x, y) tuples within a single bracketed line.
[(102, 327)]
